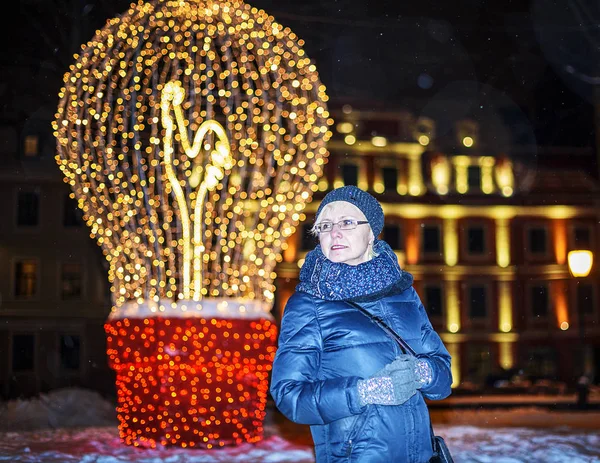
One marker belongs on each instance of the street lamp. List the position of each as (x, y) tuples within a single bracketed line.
[(580, 264)]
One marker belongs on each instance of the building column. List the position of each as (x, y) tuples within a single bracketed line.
[(415, 176), (450, 233), (506, 354), (503, 242), (452, 306), (505, 306)]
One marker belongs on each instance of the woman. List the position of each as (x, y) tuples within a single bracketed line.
[(339, 372)]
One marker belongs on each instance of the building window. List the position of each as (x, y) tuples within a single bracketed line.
[(432, 242), (28, 206), (390, 179), (393, 236), (23, 352), (585, 299), (26, 278), (537, 240), (308, 241), (350, 174), (541, 362), (476, 240), (434, 300), (70, 352), (71, 283), (539, 300), (582, 238), (474, 177), (71, 213), (31, 146), (477, 302)]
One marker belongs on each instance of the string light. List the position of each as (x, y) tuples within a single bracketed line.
[(192, 134), (189, 382)]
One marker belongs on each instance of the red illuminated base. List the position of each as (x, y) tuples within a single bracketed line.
[(191, 382)]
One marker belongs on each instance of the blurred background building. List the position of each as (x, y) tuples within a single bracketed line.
[(53, 285)]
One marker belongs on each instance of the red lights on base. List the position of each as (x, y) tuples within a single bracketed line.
[(191, 382)]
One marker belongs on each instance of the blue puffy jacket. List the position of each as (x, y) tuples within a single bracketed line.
[(325, 347)]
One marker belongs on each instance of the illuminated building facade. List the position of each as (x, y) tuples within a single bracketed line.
[(485, 235)]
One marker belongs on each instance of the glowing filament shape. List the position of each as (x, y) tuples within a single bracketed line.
[(213, 172)]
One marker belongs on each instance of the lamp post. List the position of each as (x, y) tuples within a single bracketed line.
[(580, 264)]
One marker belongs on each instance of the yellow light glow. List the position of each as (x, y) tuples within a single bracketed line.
[(414, 190), (461, 164), (507, 358), (504, 176), (424, 140), (564, 326), (468, 141), (350, 139), (379, 141), (580, 262), (450, 242), (487, 174), (502, 242), (345, 127), (505, 312), (453, 305), (251, 147), (415, 176), (440, 174)]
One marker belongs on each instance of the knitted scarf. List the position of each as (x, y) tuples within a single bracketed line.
[(338, 281)]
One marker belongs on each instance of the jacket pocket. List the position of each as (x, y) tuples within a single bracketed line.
[(356, 431)]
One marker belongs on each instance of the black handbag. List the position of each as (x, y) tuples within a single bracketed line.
[(441, 453)]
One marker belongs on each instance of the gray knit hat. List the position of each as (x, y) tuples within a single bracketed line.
[(369, 206)]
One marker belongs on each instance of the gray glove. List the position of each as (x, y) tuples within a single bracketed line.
[(395, 383)]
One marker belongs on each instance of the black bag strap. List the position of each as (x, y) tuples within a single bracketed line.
[(401, 342)]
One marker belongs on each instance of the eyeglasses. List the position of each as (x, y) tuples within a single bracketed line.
[(346, 224)]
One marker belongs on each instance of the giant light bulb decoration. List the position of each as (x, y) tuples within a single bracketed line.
[(192, 134)]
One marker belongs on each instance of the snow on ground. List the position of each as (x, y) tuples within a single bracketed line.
[(66, 408), (78, 426)]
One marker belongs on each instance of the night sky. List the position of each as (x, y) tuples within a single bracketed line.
[(531, 63)]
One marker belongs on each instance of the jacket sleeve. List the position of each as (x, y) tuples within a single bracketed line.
[(295, 385), (437, 355)]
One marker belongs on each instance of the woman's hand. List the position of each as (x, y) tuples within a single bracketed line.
[(395, 383)]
